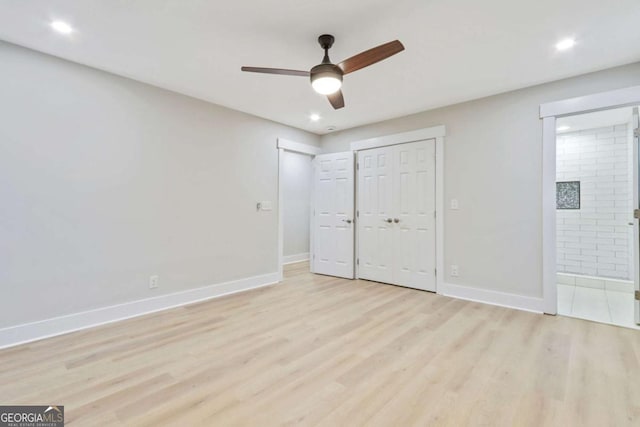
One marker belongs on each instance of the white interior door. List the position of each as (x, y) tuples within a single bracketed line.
[(414, 215), (333, 251), (375, 216), (396, 223), (636, 205)]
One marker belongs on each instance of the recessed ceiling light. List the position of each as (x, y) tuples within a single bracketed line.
[(563, 128), (565, 44), (61, 27), (331, 128), (314, 117)]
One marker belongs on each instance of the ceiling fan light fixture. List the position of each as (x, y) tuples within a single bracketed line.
[(326, 85), (326, 79)]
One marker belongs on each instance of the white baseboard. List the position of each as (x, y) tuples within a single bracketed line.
[(20, 334), (290, 259), (501, 299)]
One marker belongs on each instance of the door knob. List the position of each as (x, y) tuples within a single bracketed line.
[(348, 221), (396, 220), (389, 220)]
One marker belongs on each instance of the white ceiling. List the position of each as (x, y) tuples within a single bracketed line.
[(456, 50)]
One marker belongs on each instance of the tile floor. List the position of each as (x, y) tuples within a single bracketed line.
[(599, 305)]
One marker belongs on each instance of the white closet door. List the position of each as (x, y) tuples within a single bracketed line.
[(375, 204), (396, 223), (414, 215), (333, 252)]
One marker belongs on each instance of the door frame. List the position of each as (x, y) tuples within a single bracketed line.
[(301, 148), (438, 133), (635, 243), (549, 112)]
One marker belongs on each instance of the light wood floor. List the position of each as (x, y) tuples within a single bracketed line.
[(317, 350)]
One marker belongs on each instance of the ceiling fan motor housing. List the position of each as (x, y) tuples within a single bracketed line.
[(326, 70)]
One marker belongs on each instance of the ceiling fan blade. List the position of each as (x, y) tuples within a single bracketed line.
[(281, 71), (371, 56), (336, 99)]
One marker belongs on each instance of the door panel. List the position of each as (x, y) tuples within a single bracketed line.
[(334, 195), (414, 199), (375, 204), (397, 183)]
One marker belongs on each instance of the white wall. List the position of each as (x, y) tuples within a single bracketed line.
[(105, 181), (297, 174), (595, 240), (493, 166)]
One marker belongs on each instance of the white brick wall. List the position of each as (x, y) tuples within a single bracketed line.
[(596, 239)]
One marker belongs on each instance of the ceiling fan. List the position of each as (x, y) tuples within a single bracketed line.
[(326, 77)]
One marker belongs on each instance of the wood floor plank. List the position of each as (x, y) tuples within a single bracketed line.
[(319, 350)]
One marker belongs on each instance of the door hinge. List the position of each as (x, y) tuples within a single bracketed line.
[(358, 166), (357, 261), (435, 271), (357, 214), (636, 213), (636, 133), (637, 295)]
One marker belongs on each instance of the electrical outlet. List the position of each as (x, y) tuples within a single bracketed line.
[(153, 282), (454, 204), (266, 205), (454, 271)]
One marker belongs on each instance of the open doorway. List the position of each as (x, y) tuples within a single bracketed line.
[(295, 192), (596, 235), (298, 172)]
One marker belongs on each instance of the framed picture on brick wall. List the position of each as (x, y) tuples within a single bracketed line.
[(568, 195)]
